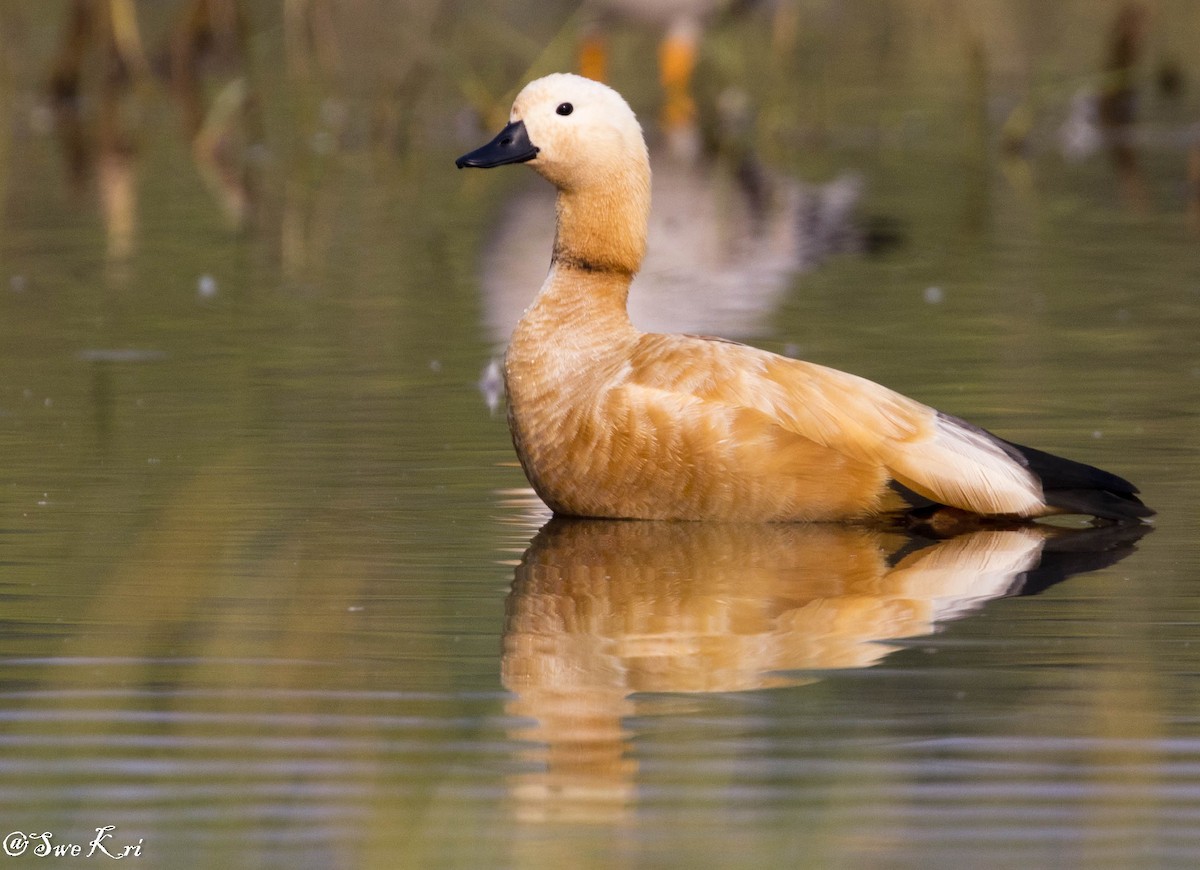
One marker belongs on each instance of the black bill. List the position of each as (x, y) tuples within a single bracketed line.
[(511, 145)]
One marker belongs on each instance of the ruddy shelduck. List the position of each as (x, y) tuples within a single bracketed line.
[(609, 421)]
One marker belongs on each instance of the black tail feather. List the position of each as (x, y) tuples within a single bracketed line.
[(1073, 487), (1077, 487)]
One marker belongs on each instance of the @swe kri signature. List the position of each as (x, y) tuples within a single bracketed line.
[(104, 845)]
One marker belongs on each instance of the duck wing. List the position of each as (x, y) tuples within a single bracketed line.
[(933, 454)]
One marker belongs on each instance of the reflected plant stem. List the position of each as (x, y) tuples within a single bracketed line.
[(65, 85), (1118, 103), (306, 230), (977, 191), (7, 90), (221, 130), (1193, 176), (204, 28), (116, 178), (310, 39), (111, 27), (227, 177), (127, 41)]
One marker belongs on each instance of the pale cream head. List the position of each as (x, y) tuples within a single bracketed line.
[(593, 142)]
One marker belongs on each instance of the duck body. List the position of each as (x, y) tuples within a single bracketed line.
[(609, 421), (639, 425)]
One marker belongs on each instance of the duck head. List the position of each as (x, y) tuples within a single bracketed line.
[(581, 136), (574, 131)]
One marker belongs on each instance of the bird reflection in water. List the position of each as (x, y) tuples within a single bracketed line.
[(725, 242), (601, 610)]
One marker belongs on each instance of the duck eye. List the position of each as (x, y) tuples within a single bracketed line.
[(565, 109)]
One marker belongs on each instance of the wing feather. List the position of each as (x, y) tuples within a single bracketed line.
[(937, 456)]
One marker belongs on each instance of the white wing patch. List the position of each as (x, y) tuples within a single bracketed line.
[(964, 467)]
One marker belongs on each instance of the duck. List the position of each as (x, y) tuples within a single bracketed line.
[(612, 422)]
